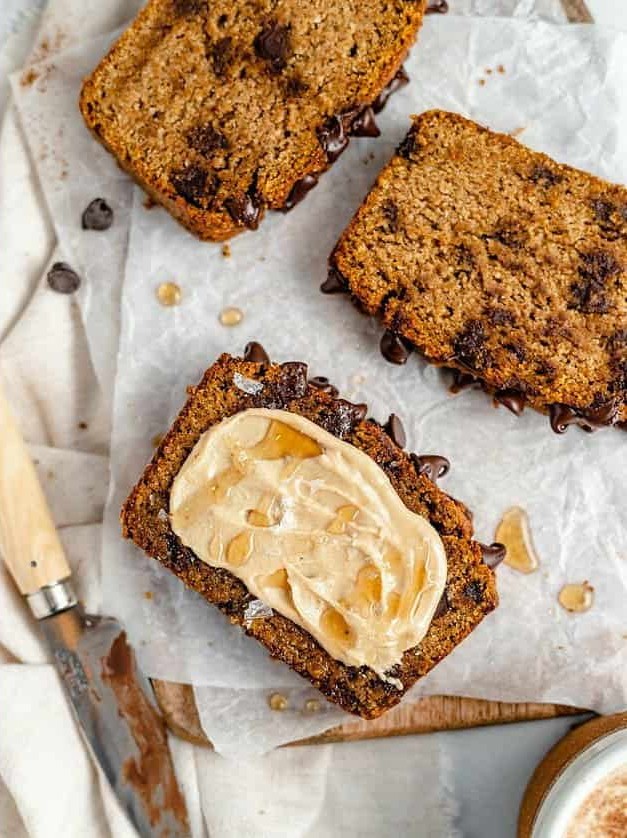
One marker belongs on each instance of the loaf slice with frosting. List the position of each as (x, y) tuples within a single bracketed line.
[(222, 109), (234, 385), (495, 260)]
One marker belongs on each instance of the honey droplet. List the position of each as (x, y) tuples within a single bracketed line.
[(169, 294), (278, 579), (231, 316), (394, 562), (513, 531), (343, 516), (333, 624), (277, 702), (368, 587), (239, 549), (147, 594), (410, 595), (576, 597), (226, 250), (283, 441), (394, 601), (312, 705), (258, 519)]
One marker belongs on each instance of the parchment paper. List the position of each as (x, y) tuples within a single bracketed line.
[(565, 86)]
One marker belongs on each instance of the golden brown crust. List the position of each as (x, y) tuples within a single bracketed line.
[(470, 591), (497, 261), (219, 110)]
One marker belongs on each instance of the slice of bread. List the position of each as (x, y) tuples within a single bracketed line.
[(470, 591), (220, 110), (495, 260)]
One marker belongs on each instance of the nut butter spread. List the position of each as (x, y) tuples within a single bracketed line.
[(314, 528)]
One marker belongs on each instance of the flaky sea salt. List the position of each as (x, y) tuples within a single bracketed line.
[(247, 385), (256, 609)]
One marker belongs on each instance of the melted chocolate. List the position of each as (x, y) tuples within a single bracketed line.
[(335, 283), (432, 465), (436, 7), (272, 44), (399, 80), (589, 419), (393, 348), (321, 382), (395, 430), (255, 352), (364, 124), (333, 137), (493, 554), (442, 607), (98, 215), (245, 209), (511, 399), (62, 278), (299, 190), (462, 381)]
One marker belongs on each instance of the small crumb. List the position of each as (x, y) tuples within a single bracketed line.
[(517, 131), (488, 71), (29, 77), (147, 594), (231, 316), (33, 563), (371, 155), (500, 69), (226, 251), (50, 474), (82, 426), (482, 82)]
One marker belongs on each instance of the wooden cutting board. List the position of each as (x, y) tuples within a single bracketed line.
[(440, 712)]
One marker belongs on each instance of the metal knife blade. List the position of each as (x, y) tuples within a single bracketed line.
[(118, 715)]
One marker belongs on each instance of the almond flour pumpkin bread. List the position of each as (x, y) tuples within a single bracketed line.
[(495, 260), (309, 526), (222, 109)]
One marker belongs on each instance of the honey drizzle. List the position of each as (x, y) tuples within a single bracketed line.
[(343, 517), (514, 532), (282, 441), (334, 624), (239, 549)]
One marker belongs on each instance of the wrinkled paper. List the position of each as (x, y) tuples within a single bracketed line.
[(564, 91)]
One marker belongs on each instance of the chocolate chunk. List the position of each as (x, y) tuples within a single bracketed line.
[(517, 349), (602, 209), (462, 381), (341, 418), (299, 190), (394, 349), (334, 283), (589, 293), (295, 87), (364, 124), (500, 316), (183, 8), (395, 430), (475, 591), (98, 215), (399, 80), (321, 382), (291, 384), (333, 137), (246, 209), (513, 400), (220, 53), (62, 278), (432, 465), (436, 7), (545, 176), (407, 146), (195, 185), (206, 140), (493, 554), (589, 419), (469, 346), (255, 352), (272, 44), (389, 210)]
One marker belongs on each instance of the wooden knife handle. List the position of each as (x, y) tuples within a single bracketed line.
[(29, 542)]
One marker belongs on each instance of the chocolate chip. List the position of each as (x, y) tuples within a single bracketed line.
[(602, 209), (469, 346), (517, 349), (513, 400), (195, 185), (299, 190), (475, 591), (407, 146), (436, 7), (462, 381), (321, 382), (442, 607), (272, 44), (335, 283), (394, 349), (333, 137), (399, 80), (292, 383), (255, 352), (364, 124), (188, 7), (206, 140), (295, 87), (544, 176), (598, 415), (432, 465), (246, 208), (62, 278), (589, 292), (98, 215), (493, 554), (509, 234), (389, 210), (220, 53), (395, 430), (340, 418)]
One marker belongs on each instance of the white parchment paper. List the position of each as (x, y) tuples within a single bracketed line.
[(564, 87)]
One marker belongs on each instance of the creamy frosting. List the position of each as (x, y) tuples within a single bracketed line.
[(314, 529)]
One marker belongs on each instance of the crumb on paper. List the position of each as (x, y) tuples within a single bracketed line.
[(147, 594), (29, 77), (226, 251), (82, 426), (500, 69), (517, 131), (247, 385), (488, 71), (482, 82)]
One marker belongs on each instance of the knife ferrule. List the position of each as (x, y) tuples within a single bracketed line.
[(52, 599)]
